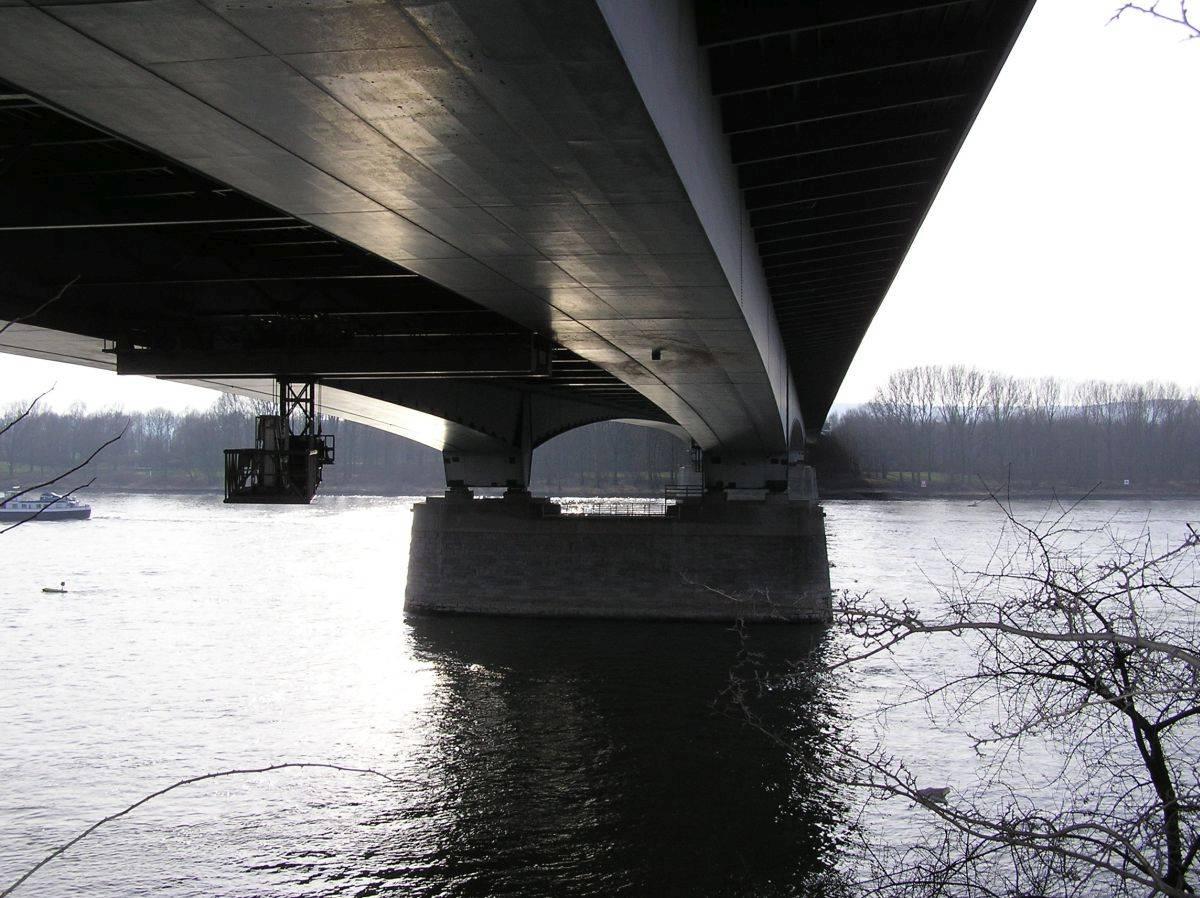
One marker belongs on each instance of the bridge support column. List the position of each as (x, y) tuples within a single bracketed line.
[(715, 559), (742, 476), (500, 463), (505, 469)]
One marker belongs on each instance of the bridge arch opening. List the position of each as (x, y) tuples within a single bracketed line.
[(610, 458)]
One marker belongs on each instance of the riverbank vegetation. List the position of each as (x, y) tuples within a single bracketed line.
[(928, 431), (941, 429), (164, 450)]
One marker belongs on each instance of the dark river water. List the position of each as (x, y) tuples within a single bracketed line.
[(527, 757)]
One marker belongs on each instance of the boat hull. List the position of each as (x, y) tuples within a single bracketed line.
[(50, 514)]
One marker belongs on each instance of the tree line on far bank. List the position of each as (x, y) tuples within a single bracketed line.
[(946, 426), (164, 450), (949, 426)]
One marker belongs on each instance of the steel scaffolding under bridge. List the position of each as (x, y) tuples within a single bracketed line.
[(483, 224), (290, 452)]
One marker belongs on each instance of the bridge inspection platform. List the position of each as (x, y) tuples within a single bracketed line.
[(482, 223)]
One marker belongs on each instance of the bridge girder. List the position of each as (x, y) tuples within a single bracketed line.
[(693, 208), (498, 150)]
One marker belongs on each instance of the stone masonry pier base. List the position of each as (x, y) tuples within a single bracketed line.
[(708, 560)]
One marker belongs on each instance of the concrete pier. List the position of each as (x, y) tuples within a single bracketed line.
[(714, 559)]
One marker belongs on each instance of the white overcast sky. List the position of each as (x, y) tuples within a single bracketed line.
[(1065, 241), (1066, 238)]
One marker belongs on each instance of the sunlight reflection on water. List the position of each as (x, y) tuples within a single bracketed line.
[(535, 757)]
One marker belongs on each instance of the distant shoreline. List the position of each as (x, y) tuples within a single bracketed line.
[(871, 493), (577, 491), (97, 489), (838, 492)]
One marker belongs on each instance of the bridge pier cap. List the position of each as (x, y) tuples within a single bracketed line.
[(510, 470), (499, 463)]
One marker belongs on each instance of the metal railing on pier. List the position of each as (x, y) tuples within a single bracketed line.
[(629, 508)]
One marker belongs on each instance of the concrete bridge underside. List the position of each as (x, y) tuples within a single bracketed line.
[(483, 222)]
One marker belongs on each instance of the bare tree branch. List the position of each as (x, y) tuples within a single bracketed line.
[(904, 626), (37, 514), (24, 414), (49, 302), (1081, 647), (176, 785), (67, 473), (1182, 19)]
